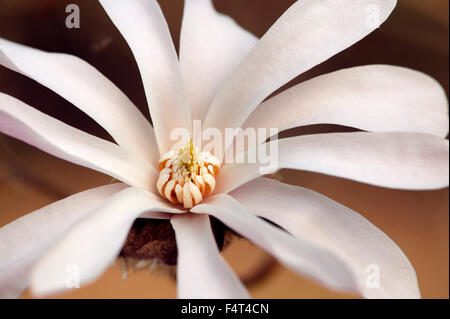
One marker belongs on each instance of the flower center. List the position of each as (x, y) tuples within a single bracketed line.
[(187, 175)]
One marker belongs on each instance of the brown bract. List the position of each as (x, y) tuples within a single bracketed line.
[(155, 239)]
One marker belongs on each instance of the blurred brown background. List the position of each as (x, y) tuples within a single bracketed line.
[(415, 36)]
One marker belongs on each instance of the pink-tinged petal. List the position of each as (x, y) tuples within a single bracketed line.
[(143, 26), (297, 254), (25, 239), (358, 243), (201, 270), (211, 46), (89, 90), (376, 98), (93, 244), (61, 140), (394, 160), (308, 33)]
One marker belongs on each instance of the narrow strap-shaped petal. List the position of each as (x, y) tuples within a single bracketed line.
[(308, 33), (201, 270), (26, 238), (93, 244), (358, 243), (89, 90), (211, 46), (59, 139), (143, 26), (297, 254), (394, 160), (375, 98)]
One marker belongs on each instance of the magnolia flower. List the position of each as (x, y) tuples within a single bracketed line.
[(223, 76)]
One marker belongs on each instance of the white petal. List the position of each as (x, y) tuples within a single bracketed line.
[(26, 238), (211, 46), (308, 33), (201, 270), (297, 254), (394, 160), (89, 90), (14, 278), (342, 231), (373, 98), (93, 244), (54, 137), (142, 24)]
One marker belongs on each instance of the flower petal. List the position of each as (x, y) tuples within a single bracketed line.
[(54, 137), (14, 278), (307, 34), (342, 231), (209, 54), (297, 254), (25, 239), (89, 90), (201, 270), (374, 98), (143, 26), (394, 160), (93, 244)]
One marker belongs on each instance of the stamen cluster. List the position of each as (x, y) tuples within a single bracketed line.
[(186, 176)]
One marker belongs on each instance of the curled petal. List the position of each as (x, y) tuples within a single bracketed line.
[(375, 98)]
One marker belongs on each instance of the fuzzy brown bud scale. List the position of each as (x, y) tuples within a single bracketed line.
[(154, 239)]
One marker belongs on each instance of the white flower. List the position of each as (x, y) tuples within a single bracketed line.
[(223, 76)]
